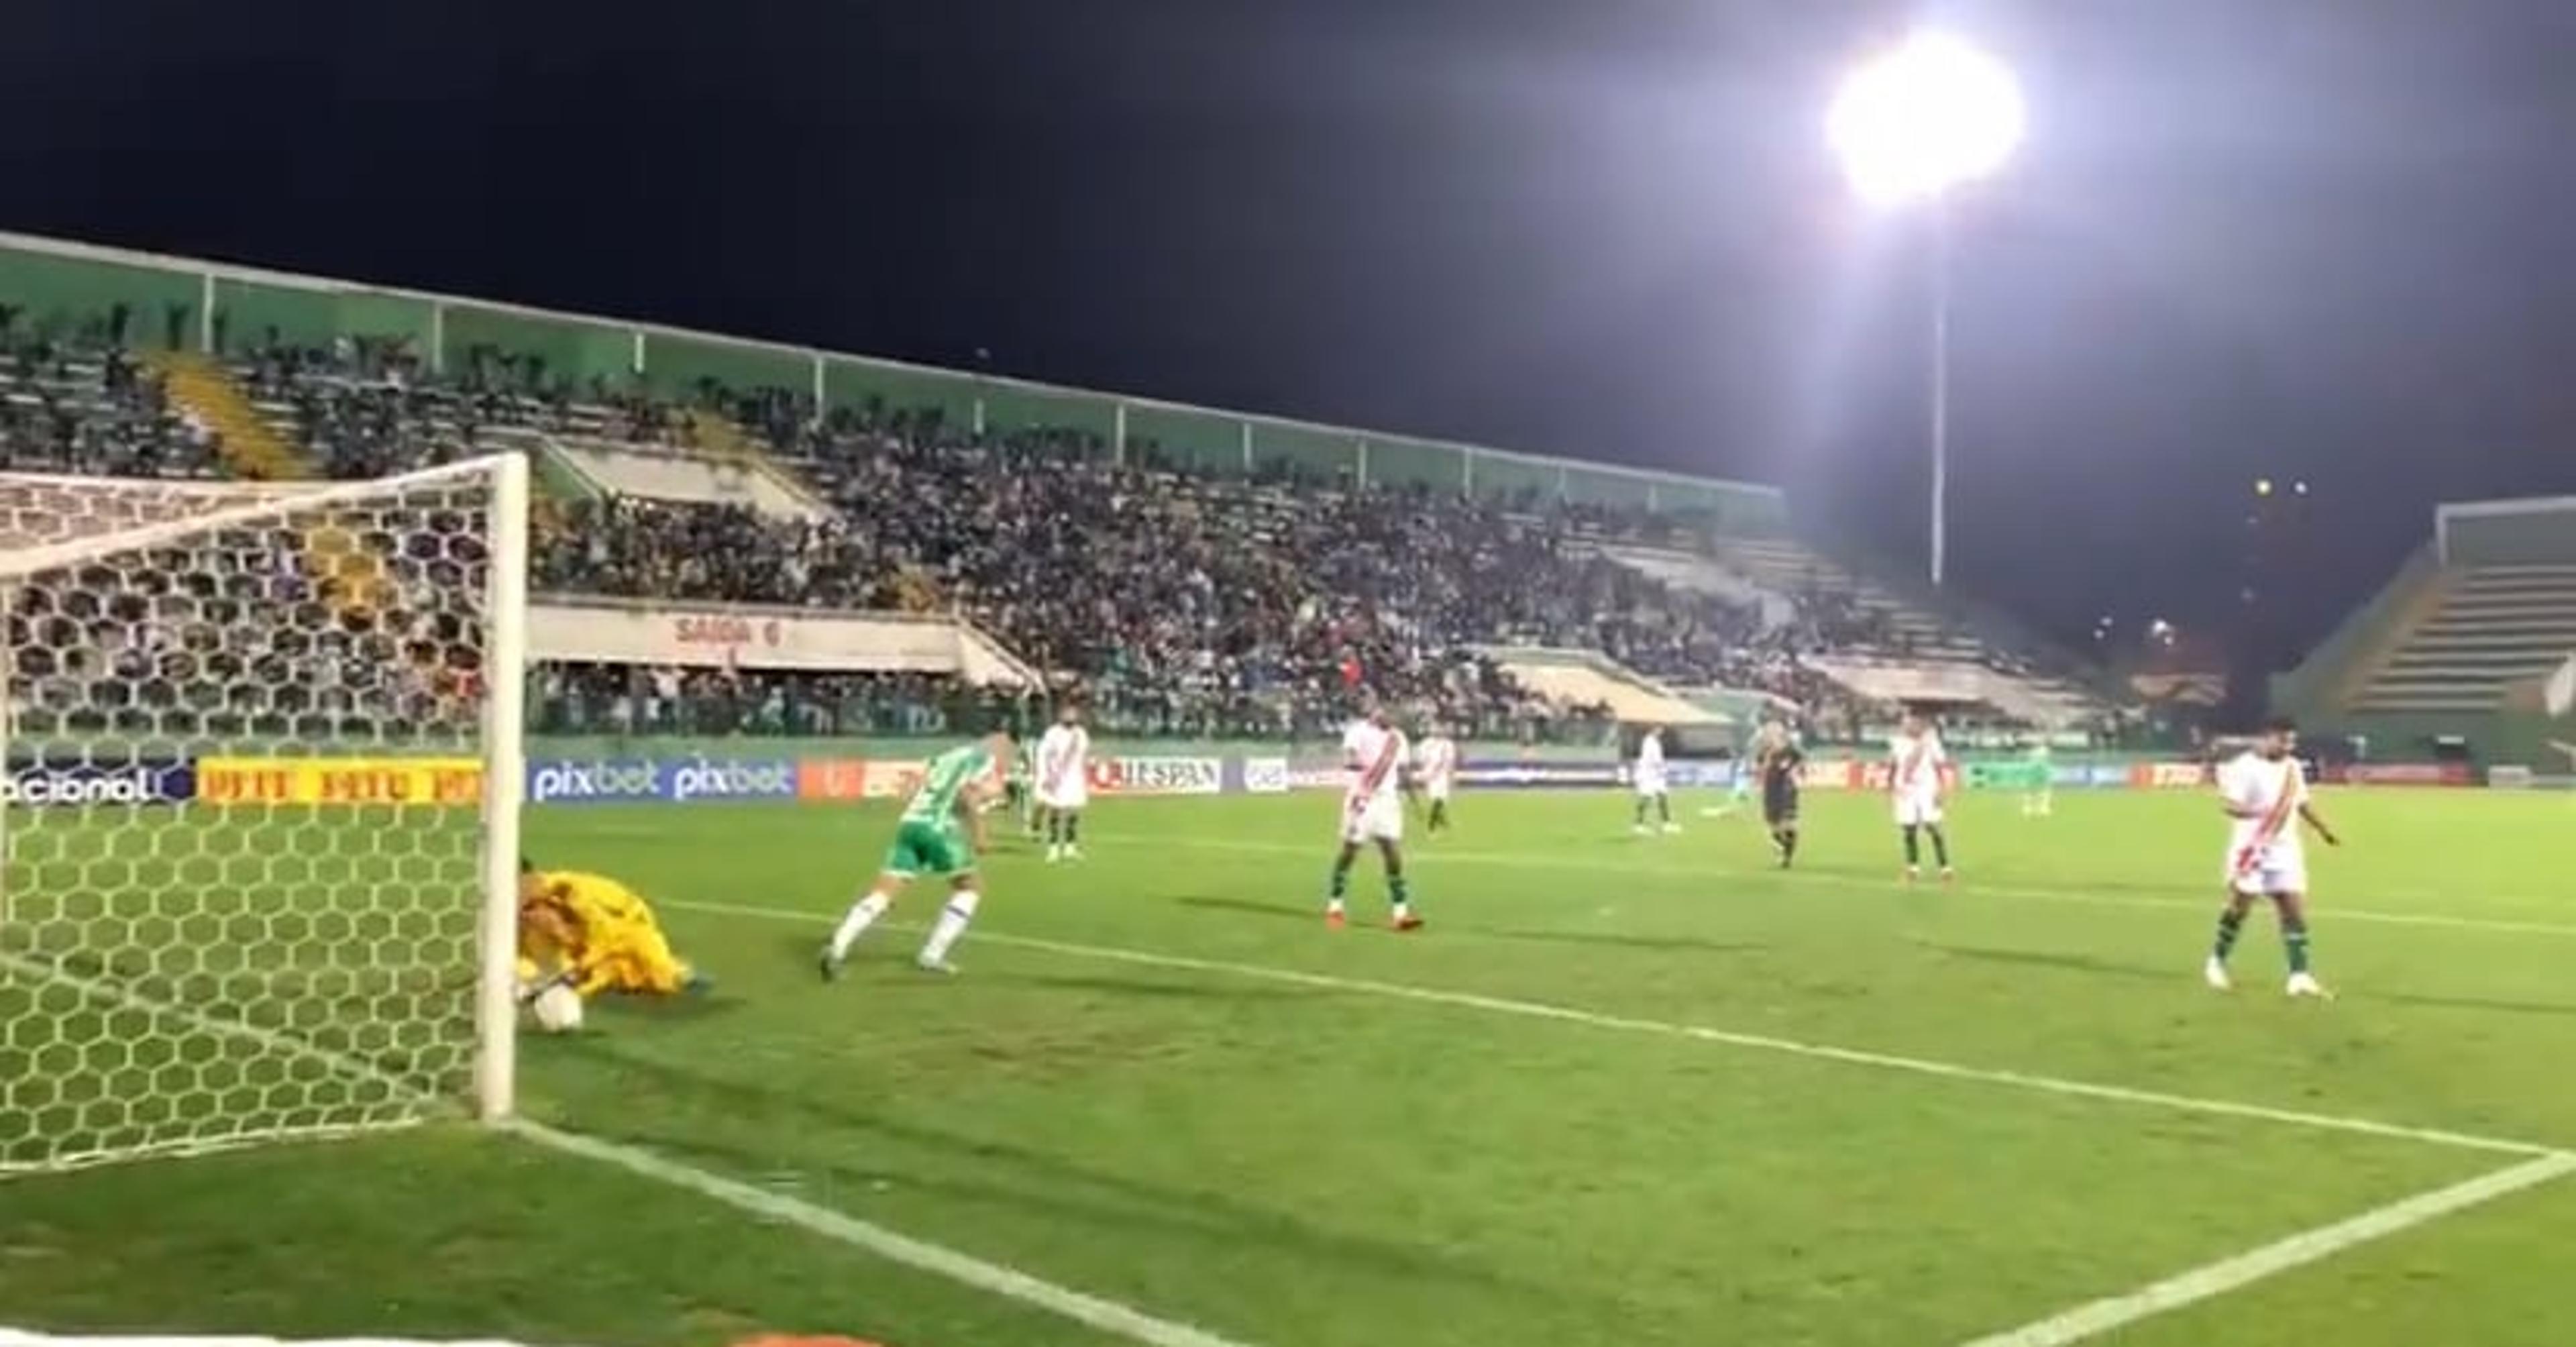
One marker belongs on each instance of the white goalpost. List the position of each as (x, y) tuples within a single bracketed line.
[(259, 819)]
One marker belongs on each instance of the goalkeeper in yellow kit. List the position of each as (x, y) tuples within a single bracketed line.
[(594, 935)]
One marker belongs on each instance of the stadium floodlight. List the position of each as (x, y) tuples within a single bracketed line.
[(1914, 122), (1909, 126), (262, 746)]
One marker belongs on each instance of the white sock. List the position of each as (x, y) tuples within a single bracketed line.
[(952, 924), (855, 923)]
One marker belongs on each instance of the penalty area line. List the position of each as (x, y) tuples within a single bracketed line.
[(2234, 1273), (993, 1278), (1920, 1066)]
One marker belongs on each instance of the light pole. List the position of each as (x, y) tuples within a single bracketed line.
[(1910, 125)]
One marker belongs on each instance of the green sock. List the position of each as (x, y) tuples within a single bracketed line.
[(2231, 923), (1398, 890), (2296, 941), (1341, 879)]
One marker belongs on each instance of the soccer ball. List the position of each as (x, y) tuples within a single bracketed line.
[(559, 1009)]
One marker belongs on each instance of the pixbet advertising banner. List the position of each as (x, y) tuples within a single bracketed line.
[(71, 784), (1157, 776), (340, 781), (638, 780)]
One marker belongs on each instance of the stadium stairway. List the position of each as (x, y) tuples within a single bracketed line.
[(251, 448), (2416, 602), (722, 438)]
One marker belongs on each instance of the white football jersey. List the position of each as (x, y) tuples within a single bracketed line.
[(1374, 755), (1064, 757), (1650, 754), (2270, 793), (1436, 758), (1914, 764)]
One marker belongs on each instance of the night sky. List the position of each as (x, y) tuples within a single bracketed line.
[(2321, 240)]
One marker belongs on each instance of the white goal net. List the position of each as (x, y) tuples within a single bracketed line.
[(259, 816)]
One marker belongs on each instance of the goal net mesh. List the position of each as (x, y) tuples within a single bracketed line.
[(242, 849)]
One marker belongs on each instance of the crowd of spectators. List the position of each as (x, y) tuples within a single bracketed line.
[(1174, 603), (66, 409)]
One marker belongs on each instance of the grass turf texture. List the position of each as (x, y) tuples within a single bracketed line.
[(1285, 1162)]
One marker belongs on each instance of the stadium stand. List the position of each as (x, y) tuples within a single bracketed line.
[(1191, 571), (2490, 626), (2456, 646)]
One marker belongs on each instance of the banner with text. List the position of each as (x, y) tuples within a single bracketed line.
[(1157, 776), (72, 783), (447, 782), (641, 780), (709, 636)]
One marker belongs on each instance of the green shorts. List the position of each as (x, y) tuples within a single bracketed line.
[(927, 849)]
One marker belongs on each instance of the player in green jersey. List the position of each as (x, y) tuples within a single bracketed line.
[(2039, 786), (941, 827)]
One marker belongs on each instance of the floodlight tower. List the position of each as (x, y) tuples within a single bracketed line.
[(1910, 125)]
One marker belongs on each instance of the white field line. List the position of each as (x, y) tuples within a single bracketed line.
[(1757, 1042), (1431, 855), (2233, 1273), (1106, 1315)]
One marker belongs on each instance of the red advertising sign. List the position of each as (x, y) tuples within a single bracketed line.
[(831, 779), (2168, 775), (880, 779), (1157, 776), (1880, 775)]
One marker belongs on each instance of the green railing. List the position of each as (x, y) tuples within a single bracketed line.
[(62, 287)]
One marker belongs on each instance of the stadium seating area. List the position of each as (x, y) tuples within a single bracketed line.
[(2492, 626), (66, 409), (1177, 602)]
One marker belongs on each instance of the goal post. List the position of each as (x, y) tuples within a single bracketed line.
[(259, 819)]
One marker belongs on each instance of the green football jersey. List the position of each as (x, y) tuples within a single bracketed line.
[(946, 777)]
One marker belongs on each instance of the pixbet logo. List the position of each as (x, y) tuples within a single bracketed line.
[(549, 782), (734, 781)]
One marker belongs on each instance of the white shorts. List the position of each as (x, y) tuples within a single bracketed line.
[(1650, 785), (1070, 796), (1379, 820), (1916, 811), (2279, 869), (1437, 790)]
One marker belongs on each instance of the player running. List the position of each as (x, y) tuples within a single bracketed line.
[(1914, 779), (1064, 783), (941, 828), (1654, 789), (1779, 761), (1373, 811), (2265, 790), (1435, 769)]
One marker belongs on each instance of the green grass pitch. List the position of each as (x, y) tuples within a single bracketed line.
[(1592, 1103)]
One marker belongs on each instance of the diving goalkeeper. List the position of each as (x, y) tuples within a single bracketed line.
[(595, 935)]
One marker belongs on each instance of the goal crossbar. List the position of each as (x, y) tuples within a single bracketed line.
[(259, 501)]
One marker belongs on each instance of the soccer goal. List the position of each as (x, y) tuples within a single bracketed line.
[(259, 820)]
